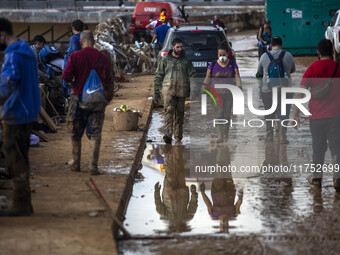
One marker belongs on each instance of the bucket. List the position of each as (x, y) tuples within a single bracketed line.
[(125, 121)]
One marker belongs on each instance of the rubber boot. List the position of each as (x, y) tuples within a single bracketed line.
[(21, 200), (283, 135), (336, 175), (178, 133), (167, 138), (76, 152), (94, 155), (269, 131)]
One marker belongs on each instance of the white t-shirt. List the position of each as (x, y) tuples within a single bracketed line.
[(154, 23)]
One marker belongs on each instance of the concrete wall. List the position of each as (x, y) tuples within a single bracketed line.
[(51, 4)]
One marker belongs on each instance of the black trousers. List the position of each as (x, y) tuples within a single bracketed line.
[(16, 146), (267, 99), (325, 132)]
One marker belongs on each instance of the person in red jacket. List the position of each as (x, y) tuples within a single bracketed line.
[(89, 116), (325, 118)]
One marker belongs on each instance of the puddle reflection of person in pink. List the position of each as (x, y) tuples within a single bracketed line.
[(175, 205), (223, 193), (222, 207)]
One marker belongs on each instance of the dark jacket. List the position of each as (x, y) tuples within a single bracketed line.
[(174, 76)]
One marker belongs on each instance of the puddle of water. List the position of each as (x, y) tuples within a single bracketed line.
[(269, 205)]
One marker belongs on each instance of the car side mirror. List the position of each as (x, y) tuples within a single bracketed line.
[(326, 23)]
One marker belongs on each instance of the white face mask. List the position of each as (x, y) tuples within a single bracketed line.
[(223, 58)]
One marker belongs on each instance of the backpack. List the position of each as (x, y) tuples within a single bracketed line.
[(276, 72), (49, 54), (257, 33), (93, 91), (52, 53)]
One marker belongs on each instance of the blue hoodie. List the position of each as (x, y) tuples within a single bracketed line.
[(19, 85), (74, 46)]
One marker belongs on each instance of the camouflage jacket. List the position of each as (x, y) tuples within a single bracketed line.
[(174, 76)]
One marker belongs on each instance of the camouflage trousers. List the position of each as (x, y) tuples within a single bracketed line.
[(174, 112), (16, 142), (80, 120)]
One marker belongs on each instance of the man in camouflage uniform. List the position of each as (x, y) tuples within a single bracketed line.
[(174, 75)]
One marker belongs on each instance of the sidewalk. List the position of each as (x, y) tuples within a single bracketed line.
[(63, 203)]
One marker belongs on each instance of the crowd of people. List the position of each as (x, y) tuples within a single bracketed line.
[(275, 67), (24, 66)]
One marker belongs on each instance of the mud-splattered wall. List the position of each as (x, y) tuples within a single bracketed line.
[(237, 21)]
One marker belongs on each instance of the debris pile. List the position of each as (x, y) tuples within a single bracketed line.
[(112, 38)]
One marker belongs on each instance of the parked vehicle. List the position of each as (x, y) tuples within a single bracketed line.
[(148, 11), (333, 32), (200, 43)]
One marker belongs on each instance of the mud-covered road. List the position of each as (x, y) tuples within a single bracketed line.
[(255, 214)]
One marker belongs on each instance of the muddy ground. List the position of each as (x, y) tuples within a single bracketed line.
[(62, 202)]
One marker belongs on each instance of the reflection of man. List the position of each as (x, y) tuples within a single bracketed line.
[(20, 101), (174, 75), (325, 118), (223, 193), (175, 205)]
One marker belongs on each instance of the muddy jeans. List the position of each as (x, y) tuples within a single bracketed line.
[(323, 131), (16, 145), (174, 109), (80, 119)]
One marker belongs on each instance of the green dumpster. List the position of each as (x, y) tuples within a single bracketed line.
[(300, 22)]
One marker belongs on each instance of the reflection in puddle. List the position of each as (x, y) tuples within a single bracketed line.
[(176, 205), (170, 200)]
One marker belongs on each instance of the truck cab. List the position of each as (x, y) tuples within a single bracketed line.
[(145, 12)]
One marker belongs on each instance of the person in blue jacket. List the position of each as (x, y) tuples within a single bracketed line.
[(264, 37), (77, 28), (20, 101)]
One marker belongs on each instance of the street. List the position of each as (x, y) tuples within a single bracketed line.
[(277, 215)]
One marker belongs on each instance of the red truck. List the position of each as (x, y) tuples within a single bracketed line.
[(146, 11)]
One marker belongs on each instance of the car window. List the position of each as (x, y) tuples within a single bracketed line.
[(198, 41)]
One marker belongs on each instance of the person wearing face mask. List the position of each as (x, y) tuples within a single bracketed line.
[(223, 70), (174, 75)]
